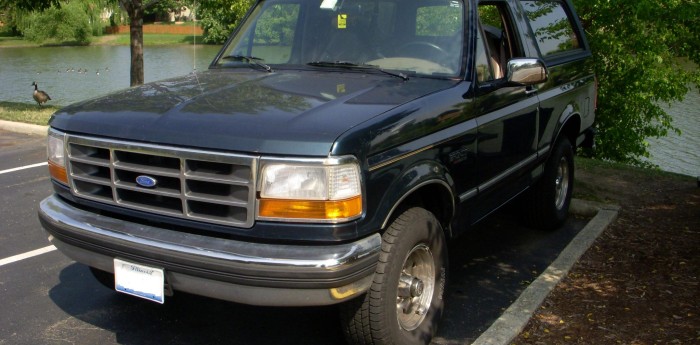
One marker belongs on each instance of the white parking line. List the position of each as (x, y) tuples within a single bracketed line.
[(27, 255), (24, 167)]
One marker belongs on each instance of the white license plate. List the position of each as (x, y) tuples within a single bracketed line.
[(139, 280)]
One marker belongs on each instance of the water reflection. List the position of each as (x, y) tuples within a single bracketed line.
[(680, 153), (72, 74)]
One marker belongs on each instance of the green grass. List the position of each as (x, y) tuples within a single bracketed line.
[(156, 39), (15, 42), (121, 39), (590, 164), (27, 113), (604, 181)]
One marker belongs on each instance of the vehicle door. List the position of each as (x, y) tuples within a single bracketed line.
[(564, 50), (507, 116)]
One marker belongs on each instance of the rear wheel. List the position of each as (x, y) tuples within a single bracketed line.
[(405, 302), (547, 202)]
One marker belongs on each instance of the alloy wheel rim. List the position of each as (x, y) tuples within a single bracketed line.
[(561, 183), (415, 287)]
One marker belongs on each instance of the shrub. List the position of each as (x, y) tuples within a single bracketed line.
[(637, 47), (68, 23)]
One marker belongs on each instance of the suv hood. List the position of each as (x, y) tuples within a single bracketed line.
[(286, 112)]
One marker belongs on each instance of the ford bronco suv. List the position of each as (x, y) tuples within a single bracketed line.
[(327, 156)]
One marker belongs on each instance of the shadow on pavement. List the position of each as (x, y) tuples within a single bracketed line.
[(489, 267)]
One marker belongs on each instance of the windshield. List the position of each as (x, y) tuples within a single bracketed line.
[(421, 37)]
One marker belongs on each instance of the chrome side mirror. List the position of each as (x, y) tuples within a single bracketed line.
[(526, 71)]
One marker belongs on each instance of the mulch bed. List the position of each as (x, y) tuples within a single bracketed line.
[(640, 281)]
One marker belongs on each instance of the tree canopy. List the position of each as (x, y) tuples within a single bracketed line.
[(28, 4), (68, 23), (638, 48)]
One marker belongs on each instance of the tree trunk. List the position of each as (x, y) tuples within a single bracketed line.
[(136, 46), (135, 9)]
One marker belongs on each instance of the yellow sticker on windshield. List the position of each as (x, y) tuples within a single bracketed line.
[(340, 88), (342, 21)]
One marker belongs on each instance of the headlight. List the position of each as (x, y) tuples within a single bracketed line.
[(323, 190), (55, 148)]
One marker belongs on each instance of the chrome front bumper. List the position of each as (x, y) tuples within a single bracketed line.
[(244, 272)]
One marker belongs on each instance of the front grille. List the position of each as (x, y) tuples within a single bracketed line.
[(197, 185)]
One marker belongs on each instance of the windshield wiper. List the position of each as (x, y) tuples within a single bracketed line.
[(249, 59), (348, 64)]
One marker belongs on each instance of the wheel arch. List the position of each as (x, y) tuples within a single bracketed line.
[(570, 128), (434, 194)]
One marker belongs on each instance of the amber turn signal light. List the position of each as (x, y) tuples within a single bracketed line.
[(323, 210), (58, 172)]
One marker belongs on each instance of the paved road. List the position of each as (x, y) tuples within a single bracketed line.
[(49, 299)]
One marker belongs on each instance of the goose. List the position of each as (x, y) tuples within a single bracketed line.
[(40, 96)]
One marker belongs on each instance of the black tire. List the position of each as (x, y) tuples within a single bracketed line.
[(405, 302), (547, 202), (105, 278)]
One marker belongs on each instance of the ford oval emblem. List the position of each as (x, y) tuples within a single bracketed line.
[(146, 181)]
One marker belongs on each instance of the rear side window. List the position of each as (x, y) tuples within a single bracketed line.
[(552, 26)]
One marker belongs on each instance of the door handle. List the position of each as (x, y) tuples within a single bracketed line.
[(530, 90)]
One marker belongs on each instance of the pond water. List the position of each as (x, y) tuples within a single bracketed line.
[(70, 74), (680, 153)]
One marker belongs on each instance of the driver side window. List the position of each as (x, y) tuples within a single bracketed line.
[(496, 37), (484, 70)]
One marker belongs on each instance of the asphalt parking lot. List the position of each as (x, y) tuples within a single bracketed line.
[(46, 298)]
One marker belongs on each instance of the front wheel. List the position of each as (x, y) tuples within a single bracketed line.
[(550, 197), (405, 302)]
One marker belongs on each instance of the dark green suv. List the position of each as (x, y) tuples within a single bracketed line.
[(326, 157)]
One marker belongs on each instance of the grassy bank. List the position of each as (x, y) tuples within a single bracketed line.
[(594, 177), (15, 42), (120, 39), (26, 113), (148, 39)]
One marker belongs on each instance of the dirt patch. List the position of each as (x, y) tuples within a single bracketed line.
[(640, 281)]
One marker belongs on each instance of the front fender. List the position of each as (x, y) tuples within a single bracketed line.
[(413, 180)]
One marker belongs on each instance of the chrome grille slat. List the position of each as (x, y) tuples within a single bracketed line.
[(146, 170), (94, 161), (205, 186), (217, 200), (216, 179), (163, 192), (93, 180)]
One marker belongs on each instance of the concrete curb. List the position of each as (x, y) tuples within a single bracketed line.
[(23, 128), (504, 330)]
